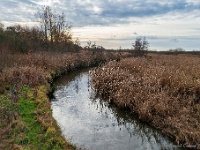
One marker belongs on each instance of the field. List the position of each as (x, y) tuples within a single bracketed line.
[(26, 120), (162, 90)]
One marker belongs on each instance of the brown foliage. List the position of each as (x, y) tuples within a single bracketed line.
[(37, 68), (162, 90), (34, 70)]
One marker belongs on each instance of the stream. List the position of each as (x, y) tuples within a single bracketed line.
[(92, 123)]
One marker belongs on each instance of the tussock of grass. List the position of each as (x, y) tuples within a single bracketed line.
[(162, 90)]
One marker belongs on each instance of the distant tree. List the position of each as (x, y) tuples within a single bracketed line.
[(89, 43), (45, 16), (94, 46), (177, 50), (140, 46), (55, 27), (100, 48), (15, 38), (77, 45), (22, 39), (36, 41)]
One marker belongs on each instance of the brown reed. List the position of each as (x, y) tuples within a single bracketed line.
[(36, 71), (163, 90)]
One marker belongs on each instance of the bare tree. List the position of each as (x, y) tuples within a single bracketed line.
[(140, 46), (44, 19), (94, 46), (89, 43), (62, 23), (54, 26)]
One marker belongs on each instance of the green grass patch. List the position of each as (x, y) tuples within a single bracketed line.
[(27, 108), (38, 129)]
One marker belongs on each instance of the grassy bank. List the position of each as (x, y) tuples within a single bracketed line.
[(26, 119), (163, 90), (28, 122)]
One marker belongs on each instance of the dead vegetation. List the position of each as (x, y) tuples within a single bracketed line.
[(163, 90), (25, 80)]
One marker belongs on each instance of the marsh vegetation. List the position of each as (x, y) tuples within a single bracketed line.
[(162, 90), (26, 120), (92, 122)]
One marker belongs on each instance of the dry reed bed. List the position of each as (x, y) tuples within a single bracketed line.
[(35, 70), (162, 90), (38, 68)]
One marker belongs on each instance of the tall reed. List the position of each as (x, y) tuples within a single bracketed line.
[(25, 81), (163, 90)]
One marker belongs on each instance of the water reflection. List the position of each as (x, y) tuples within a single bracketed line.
[(93, 123), (127, 120)]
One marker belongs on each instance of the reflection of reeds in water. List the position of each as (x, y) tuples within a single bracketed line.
[(162, 90), (125, 119)]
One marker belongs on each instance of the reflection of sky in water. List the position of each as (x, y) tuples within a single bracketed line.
[(92, 123)]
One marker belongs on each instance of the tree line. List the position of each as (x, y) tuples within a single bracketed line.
[(52, 34)]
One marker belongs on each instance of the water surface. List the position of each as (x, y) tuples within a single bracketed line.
[(92, 123)]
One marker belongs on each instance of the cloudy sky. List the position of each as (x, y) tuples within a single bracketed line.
[(166, 24)]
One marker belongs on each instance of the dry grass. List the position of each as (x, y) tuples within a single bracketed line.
[(35, 70), (162, 90)]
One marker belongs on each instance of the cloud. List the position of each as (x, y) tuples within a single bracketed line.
[(95, 12), (174, 40), (17, 10), (167, 22), (108, 12)]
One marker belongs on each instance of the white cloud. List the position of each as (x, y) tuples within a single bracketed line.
[(112, 23)]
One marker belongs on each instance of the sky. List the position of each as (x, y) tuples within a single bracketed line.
[(114, 24)]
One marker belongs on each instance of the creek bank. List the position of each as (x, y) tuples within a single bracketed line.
[(27, 83), (161, 90), (102, 126)]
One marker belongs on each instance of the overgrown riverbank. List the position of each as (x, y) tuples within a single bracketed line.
[(162, 90), (26, 119)]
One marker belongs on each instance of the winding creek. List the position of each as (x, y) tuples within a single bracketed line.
[(92, 123)]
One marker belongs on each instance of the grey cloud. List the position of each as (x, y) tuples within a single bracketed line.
[(174, 40), (119, 12), (147, 9), (81, 13), (17, 10)]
